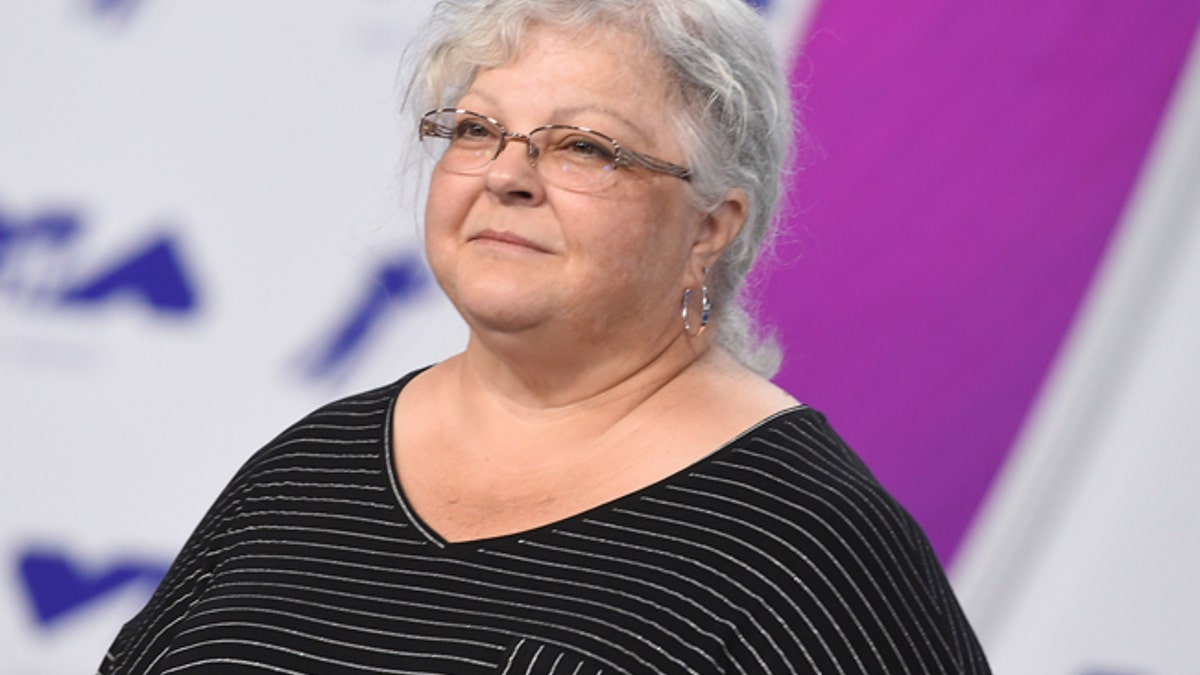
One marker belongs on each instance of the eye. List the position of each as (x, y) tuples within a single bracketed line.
[(584, 147), (473, 129)]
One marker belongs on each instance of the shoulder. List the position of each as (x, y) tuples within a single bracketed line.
[(796, 457), (810, 463), (338, 447), (794, 480), (323, 479), (812, 539), (336, 428)]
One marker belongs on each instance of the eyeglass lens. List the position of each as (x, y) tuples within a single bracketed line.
[(568, 156)]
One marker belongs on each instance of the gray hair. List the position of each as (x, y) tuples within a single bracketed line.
[(735, 120)]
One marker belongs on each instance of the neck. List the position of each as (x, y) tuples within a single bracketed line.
[(533, 380)]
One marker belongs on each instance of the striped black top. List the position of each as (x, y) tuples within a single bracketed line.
[(778, 553)]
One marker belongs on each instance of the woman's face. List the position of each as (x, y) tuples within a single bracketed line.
[(515, 253)]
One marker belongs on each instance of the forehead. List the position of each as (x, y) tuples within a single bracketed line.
[(608, 48), (603, 67)]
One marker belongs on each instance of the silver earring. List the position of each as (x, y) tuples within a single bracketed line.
[(705, 310)]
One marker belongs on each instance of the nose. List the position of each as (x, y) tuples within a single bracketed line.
[(531, 150), (512, 176)]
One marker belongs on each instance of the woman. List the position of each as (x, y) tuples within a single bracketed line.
[(603, 480)]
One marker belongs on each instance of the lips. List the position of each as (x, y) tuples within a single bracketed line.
[(507, 238)]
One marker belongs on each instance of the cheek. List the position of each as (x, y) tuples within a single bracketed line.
[(445, 209), (645, 243), (443, 203)]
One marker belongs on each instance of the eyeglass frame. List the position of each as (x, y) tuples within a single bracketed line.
[(621, 156)]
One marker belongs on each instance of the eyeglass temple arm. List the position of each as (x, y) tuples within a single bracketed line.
[(653, 164), (431, 128)]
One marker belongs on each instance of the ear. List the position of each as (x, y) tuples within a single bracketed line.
[(717, 229)]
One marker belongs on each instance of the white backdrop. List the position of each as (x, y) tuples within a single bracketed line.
[(245, 155), (203, 235)]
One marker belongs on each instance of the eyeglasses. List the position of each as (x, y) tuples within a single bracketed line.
[(570, 157)]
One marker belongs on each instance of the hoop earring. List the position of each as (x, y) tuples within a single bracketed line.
[(705, 310)]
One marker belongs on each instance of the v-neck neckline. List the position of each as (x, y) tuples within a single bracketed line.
[(431, 536)]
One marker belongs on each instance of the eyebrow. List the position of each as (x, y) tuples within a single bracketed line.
[(570, 111), (575, 110)]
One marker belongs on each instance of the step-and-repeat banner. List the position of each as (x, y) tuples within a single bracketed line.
[(989, 279)]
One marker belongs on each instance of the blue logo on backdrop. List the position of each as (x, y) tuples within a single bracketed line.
[(57, 586), (120, 10), (37, 260), (393, 283)]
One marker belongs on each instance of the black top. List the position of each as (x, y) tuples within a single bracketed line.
[(778, 553)]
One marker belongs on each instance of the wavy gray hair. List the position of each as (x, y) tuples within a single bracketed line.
[(735, 121)]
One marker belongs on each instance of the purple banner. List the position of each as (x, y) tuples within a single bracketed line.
[(968, 163)]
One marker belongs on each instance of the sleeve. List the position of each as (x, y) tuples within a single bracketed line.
[(145, 637), (148, 636), (854, 585), (883, 608)]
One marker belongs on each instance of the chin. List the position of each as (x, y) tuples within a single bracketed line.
[(499, 307), (501, 320)]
